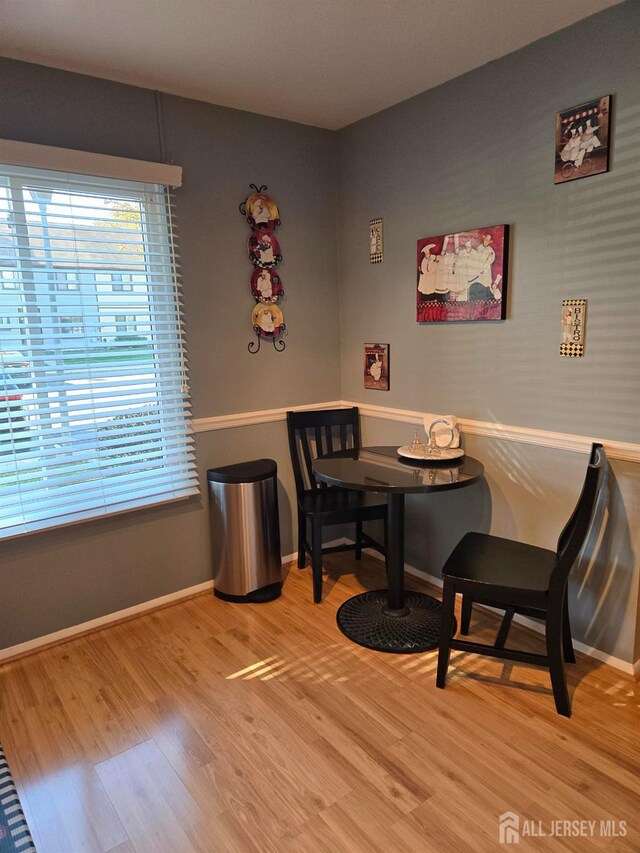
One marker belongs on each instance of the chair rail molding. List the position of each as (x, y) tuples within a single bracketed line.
[(265, 416), (625, 451)]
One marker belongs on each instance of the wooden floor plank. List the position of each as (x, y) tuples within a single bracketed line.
[(153, 804), (213, 727), (67, 802)]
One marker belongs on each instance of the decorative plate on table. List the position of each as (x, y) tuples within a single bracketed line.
[(446, 453)]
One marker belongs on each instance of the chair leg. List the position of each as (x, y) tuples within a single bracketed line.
[(503, 633), (316, 561), (446, 629), (567, 642), (465, 616), (302, 534), (358, 540), (555, 658)]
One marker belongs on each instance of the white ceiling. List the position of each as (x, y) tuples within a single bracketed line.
[(320, 62)]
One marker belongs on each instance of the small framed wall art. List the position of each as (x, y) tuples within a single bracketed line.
[(582, 140), (376, 367), (376, 250), (574, 315)]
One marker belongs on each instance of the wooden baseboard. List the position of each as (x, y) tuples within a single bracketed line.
[(38, 644), (29, 647), (58, 637)]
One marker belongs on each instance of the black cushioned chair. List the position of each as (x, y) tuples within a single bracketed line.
[(519, 578), (313, 434)]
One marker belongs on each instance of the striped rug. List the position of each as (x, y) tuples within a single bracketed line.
[(14, 832)]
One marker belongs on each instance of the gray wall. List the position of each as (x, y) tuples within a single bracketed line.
[(55, 579), (479, 151)]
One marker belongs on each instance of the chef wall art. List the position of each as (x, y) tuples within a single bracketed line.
[(376, 366), (263, 248), (267, 320), (582, 140), (265, 285), (463, 276)]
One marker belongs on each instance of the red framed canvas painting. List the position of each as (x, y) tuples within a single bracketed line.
[(463, 276)]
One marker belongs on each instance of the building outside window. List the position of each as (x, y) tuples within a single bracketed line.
[(125, 323), (8, 280), (66, 281), (71, 325)]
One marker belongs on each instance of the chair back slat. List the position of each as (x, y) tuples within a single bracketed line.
[(343, 437), (316, 432), (575, 531), (308, 457), (356, 431), (328, 436)]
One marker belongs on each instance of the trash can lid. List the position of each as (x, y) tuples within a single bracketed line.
[(244, 472)]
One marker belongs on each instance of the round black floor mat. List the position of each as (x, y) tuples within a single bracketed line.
[(363, 619)]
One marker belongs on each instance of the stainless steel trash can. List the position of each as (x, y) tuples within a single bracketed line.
[(245, 531)]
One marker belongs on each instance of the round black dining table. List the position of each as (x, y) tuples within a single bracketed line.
[(392, 619)]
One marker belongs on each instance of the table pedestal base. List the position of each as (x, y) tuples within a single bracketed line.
[(367, 620)]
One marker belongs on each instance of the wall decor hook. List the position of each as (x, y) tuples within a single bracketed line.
[(254, 346)]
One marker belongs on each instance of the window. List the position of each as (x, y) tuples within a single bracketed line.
[(71, 325), (103, 421), (9, 280), (66, 286), (125, 323)]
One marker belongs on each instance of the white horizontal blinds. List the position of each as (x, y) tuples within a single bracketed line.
[(94, 409)]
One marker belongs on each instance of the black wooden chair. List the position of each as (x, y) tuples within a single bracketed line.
[(519, 578), (313, 434)]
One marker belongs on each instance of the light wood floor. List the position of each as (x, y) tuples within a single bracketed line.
[(215, 727)]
